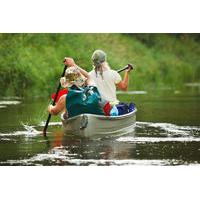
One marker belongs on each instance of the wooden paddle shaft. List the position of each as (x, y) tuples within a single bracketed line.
[(54, 101), (126, 67)]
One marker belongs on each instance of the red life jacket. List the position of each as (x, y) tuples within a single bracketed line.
[(60, 93)]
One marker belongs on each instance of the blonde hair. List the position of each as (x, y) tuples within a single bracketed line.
[(99, 68), (72, 76)]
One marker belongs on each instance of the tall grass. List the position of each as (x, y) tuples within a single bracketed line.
[(31, 64)]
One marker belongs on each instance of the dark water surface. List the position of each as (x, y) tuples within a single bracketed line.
[(167, 132)]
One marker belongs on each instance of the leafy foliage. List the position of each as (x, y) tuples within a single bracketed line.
[(33, 62)]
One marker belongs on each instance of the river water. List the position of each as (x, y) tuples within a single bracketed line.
[(167, 132)]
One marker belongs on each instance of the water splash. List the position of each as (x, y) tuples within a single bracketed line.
[(29, 131)]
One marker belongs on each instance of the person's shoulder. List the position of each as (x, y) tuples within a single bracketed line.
[(108, 71), (115, 76), (113, 72)]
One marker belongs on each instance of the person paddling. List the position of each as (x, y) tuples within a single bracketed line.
[(82, 96), (106, 79)]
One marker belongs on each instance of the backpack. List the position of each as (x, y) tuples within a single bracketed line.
[(124, 108), (81, 100)]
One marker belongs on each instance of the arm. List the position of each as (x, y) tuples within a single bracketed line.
[(83, 72), (69, 62), (123, 85), (90, 81), (60, 106)]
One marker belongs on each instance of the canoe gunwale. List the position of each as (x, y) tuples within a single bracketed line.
[(103, 117)]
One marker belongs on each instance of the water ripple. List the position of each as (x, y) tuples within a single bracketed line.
[(51, 123), (29, 131), (157, 139), (56, 158), (169, 128), (63, 159), (9, 102)]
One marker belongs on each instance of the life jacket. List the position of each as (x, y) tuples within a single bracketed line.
[(81, 100), (60, 94)]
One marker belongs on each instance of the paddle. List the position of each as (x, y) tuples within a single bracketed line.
[(49, 117), (58, 89), (126, 67), (64, 91)]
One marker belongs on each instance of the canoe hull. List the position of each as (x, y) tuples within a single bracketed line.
[(89, 124)]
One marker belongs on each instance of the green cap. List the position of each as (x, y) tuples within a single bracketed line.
[(98, 57)]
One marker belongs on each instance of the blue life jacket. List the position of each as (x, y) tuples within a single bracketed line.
[(81, 100)]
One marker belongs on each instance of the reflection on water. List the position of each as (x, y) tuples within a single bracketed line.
[(167, 132), (9, 102), (150, 144), (4, 104)]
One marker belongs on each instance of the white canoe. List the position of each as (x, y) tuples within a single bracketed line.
[(90, 125)]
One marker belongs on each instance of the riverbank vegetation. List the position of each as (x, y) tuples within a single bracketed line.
[(31, 64)]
